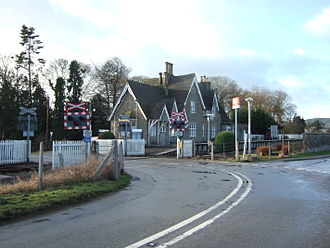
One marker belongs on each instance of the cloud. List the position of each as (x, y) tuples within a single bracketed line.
[(320, 25), (290, 82), (299, 51), (150, 22)]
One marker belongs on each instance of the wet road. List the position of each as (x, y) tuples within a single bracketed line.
[(186, 203)]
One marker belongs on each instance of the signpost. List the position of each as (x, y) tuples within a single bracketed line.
[(28, 124), (179, 123), (236, 105)]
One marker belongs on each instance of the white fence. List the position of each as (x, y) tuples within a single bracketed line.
[(71, 152), (14, 151)]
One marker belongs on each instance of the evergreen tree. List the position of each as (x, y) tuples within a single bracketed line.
[(58, 112), (296, 126), (28, 59), (75, 82), (260, 119)]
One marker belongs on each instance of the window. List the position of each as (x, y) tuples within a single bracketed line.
[(192, 129), (163, 128), (134, 123), (213, 131), (213, 111), (192, 107), (153, 131)]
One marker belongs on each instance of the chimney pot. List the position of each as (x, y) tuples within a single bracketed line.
[(160, 78)]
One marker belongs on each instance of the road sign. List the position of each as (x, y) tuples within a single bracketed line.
[(178, 121), (87, 133), (236, 103), (77, 120), (87, 139), (28, 134), (82, 106), (27, 111)]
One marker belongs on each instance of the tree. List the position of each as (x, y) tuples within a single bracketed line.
[(28, 58), (111, 77), (226, 89), (296, 126), (260, 119), (8, 101), (58, 112), (75, 82)]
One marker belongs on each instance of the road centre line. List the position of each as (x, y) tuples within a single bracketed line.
[(191, 219), (211, 220)]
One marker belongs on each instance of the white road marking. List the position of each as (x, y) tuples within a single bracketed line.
[(191, 219), (210, 221)]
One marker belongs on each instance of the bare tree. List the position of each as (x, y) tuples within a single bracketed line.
[(110, 78), (226, 89)]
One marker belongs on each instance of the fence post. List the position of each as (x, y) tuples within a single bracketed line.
[(224, 150), (288, 147), (269, 151), (212, 151), (97, 149), (116, 167), (41, 161)]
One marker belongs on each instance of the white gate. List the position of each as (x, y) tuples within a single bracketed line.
[(71, 152), (105, 145), (14, 151), (135, 147), (187, 148)]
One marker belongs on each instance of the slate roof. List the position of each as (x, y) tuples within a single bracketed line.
[(151, 95), (207, 95)]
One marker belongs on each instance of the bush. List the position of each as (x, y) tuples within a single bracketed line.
[(106, 135), (224, 137)]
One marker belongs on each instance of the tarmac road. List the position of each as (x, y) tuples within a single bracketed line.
[(184, 203)]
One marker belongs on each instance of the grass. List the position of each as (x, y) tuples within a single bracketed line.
[(62, 187), (14, 205), (309, 154)]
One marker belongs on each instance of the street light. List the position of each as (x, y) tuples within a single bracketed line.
[(249, 100)]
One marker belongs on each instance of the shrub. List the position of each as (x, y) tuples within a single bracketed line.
[(106, 135), (224, 137), (262, 150)]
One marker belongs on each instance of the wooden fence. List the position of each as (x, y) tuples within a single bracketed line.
[(69, 153), (14, 151)]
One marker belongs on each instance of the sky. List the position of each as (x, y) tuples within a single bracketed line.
[(277, 44)]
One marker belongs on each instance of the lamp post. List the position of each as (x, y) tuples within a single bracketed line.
[(249, 100)]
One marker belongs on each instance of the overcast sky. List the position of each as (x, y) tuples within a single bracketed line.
[(279, 44)]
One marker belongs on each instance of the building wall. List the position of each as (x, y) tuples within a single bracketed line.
[(129, 106), (316, 142)]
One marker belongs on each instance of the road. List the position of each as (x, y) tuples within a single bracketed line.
[(184, 203)]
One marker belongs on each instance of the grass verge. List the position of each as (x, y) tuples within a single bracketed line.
[(309, 154), (19, 204)]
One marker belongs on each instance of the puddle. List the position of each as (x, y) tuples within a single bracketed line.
[(225, 180), (205, 172), (40, 220)]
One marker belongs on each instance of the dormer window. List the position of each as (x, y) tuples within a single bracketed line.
[(192, 107)]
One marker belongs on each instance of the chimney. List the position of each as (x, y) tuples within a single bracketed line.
[(202, 79), (207, 83), (169, 68), (160, 78)]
